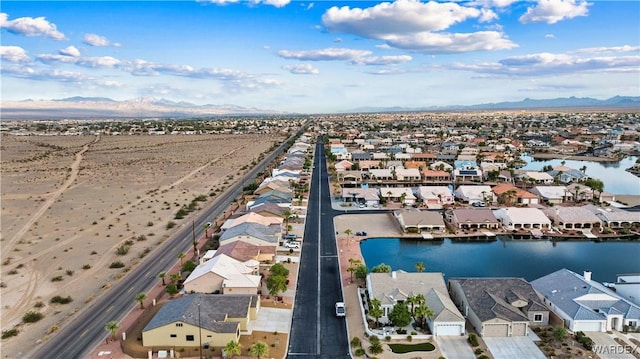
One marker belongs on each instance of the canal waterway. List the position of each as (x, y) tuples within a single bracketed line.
[(529, 259), (616, 180)]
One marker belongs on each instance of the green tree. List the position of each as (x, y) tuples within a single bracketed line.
[(559, 333), (181, 257), (348, 232), (189, 266), (175, 277), (140, 298), (112, 328), (259, 349), (276, 284), (162, 275), (375, 348), (279, 269), (423, 312), (399, 315), (361, 272), (412, 300), (286, 215), (233, 348), (420, 267), (375, 309), (353, 266), (381, 268)]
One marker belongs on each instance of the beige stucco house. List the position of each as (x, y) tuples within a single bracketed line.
[(223, 274)]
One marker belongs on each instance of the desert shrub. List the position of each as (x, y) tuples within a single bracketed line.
[(61, 300), (116, 264), (149, 224), (478, 351), (171, 224), (69, 272), (355, 342), (473, 340), (122, 250), (141, 238), (359, 352), (57, 278), (387, 338), (32, 317), (10, 333), (12, 272), (38, 305), (86, 266), (483, 357)]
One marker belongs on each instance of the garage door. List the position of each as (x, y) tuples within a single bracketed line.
[(495, 330), (448, 329), (587, 326), (519, 329)]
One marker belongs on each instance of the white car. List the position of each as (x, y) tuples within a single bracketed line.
[(291, 245), (340, 309)]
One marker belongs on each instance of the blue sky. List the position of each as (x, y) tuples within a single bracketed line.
[(321, 56)]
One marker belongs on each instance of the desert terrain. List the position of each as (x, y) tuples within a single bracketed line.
[(69, 203)]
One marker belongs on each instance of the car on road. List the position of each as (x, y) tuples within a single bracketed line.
[(479, 204), (291, 245), (340, 309), (362, 205)]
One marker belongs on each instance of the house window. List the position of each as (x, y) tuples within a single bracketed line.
[(537, 317), (178, 324), (173, 335), (190, 338)]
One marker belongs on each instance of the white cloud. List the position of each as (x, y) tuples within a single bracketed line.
[(93, 62), (13, 54), (382, 60), (46, 75), (70, 51), (276, 3), (492, 3), (552, 11), (97, 40), (416, 26), (327, 54), (548, 64), (50, 58), (624, 48), (549, 36), (301, 69), (429, 42), (29, 26)]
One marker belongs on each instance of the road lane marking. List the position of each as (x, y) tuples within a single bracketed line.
[(130, 289), (83, 333), (110, 309)]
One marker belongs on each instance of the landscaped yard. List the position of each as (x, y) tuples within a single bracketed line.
[(408, 348)]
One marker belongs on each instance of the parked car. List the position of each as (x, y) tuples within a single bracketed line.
[(291, 245), (290, 236), (361, 233), (362, 205), (479, 204), (340, 309)]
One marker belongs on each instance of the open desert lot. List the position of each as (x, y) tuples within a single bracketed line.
[(69, 202)]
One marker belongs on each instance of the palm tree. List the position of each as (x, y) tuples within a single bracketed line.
[(259, 349), (140, 297), (353, 266), (420, 267), (423, 312), (375, 309), (412, 300), (181, 256), (112, 328), (175, 277), (388, 196), (286, 215), (161, 275), (348, 232), (583, 169), (233, 348)]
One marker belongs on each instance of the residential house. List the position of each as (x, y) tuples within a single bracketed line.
[(535, 177), (252, 233), (408, 174), (436, 176), (417, 221), (473, 193), (499, 307), (553, 194), (192, 320), (569, 176), (628, 287), (267, 209), (243, 252), (584, 304), (514, 218), (420, 165), (441, 166), (383, 174), (615, 218), (369, 164), (397, 286), (350, 178), (252, 217), (368, 196), (435, 195), (398, 194), (223, 274), (509, 194), (343, 165), (472, 218), (572, 217)]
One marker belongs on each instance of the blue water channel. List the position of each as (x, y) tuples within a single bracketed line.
[(529, 259)]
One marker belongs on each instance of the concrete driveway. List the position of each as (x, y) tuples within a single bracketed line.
[(607, 348), (273, 320), (454, 347), (513, 348)]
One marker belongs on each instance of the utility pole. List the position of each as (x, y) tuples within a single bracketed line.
[(199, 331)]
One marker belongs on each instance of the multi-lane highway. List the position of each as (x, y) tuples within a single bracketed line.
[(316, 332), (77, 338)]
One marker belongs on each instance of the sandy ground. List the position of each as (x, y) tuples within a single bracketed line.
[(69, 201)]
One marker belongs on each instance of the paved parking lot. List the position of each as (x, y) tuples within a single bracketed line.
[(513, 348), (455, 347)]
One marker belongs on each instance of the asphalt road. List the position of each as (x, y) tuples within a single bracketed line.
[(77, 338), (316, 332)]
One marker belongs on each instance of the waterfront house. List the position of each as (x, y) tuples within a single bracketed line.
[(435, 195), (553, 194), (397, 286), (472, 218), (568, 176), (367, 196), (510, 194), (408, 174), (536, 177), (417, 221), (398, 194), (350, 178), (572, 217), (441, 166), (195, 319), (223, 274), (474, 193), (584, 304), (615, 218), (628, 286), (382, 174), (499, 307), (514, 218), (436, 176)]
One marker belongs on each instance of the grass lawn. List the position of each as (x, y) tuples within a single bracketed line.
[(408, 348)]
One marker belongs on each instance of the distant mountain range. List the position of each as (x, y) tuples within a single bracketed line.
[(617, 102), (102, 107)]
